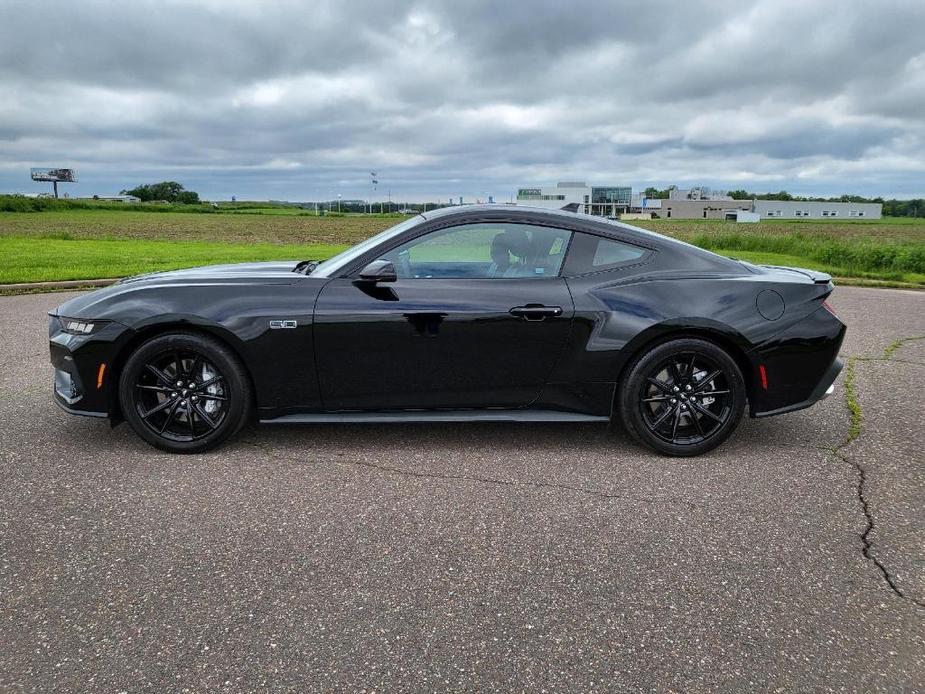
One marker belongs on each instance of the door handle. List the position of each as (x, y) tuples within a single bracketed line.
[(536, 312)]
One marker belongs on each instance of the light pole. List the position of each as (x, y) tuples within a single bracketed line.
[(373, 182), (338, 202)]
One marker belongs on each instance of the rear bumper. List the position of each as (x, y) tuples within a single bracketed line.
[(823, 389), (799, 365)]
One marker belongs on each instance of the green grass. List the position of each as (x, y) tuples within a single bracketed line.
[(232, 227), (861, 254), (876, 250), (851, 399), (851, 392), (20, 204), (898, 278), (92, 241), (888, 228), (34, 260)]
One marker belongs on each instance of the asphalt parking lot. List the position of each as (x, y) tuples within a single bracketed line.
[(479, 557)]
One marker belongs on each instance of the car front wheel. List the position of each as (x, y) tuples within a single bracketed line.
[(184, 392), (683, 397)]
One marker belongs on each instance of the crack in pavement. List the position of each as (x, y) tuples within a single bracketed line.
[(854, 432), (492, 480), (512, 483), (706, 507), (897, 361), (865, 536)]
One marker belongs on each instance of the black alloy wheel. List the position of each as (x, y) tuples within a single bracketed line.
[(683, 397), (180, 396), (184, 392)]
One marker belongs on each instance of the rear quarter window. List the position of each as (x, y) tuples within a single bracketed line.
[(590, 253)]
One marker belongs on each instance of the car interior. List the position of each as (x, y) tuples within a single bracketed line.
[(483, 251)]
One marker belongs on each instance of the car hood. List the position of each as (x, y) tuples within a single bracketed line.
[(273, 272), (154, 288)]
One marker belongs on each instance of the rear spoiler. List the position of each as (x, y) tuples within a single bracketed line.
[(814, 275)]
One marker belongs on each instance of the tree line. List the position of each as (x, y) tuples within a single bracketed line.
[(168, 191)]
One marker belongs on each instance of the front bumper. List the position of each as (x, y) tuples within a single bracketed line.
[(83, 366)]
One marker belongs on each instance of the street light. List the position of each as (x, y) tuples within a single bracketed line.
[(373, 182)]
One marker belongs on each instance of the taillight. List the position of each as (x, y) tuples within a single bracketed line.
[(828, 307)]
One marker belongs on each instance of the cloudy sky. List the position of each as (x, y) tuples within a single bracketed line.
[(301, 100)]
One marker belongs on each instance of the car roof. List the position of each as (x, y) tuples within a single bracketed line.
[(509, 210), (489, 207), (528, 212)]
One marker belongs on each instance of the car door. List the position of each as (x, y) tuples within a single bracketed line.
[(477, 317)]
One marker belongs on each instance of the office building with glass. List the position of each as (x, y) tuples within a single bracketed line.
[(606, 201)]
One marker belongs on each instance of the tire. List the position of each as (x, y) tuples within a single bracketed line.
[(675, 409), (211, 403)]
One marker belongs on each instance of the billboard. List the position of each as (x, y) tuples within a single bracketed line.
[(54, 175)]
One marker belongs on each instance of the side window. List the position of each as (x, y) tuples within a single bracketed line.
[(590, 253), (483, 251)]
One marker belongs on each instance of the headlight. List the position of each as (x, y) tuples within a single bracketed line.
[(78, 326)]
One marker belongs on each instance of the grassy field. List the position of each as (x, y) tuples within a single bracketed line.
[(35, 259), (92, 243), (234, 227), (888, 250)]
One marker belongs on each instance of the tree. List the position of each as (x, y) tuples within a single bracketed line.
[(169, 191), (188, 197), (740, 194)]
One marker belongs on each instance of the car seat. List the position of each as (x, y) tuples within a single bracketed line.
[(508, 244)]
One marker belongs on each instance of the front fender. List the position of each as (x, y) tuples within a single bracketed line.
[(281, 363)]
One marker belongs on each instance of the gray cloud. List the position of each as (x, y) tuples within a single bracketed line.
[(297, 99)]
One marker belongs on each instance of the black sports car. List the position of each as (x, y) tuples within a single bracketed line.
[(479, 313)]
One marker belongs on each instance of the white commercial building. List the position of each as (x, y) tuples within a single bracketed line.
[(607, 201), (693, 203), (792, 209)]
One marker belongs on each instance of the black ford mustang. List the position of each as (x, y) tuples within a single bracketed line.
[(467, 314)]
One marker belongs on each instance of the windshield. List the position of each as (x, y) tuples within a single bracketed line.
[(331, 266)]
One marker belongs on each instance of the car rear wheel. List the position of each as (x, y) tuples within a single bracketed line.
[(184, 392), (683, 397)]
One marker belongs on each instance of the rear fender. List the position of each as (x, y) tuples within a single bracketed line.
[(714, 331)]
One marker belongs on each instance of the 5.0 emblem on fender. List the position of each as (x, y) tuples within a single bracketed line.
[(277, 324)]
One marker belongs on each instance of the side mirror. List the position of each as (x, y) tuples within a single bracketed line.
[(379, 271)]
